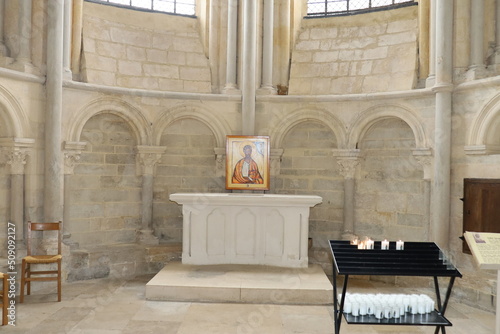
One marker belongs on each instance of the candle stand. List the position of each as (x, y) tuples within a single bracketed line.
[(416, 259)]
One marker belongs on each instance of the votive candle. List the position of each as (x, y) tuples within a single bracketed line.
[(400, 245), (385, 244)]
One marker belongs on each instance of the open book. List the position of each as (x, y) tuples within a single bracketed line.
[(485, 248)]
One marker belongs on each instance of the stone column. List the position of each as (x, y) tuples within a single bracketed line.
[(23, 57), (17, 151), (266, 86), (424, 157), (431, 79), (3, 48), (248, 75), (72, 153), (53, 113), (424, 17), (213, 43), (275, 167), (232, 47), (283, 47), (147, 158), (348, 160), (440, 211), (496, 59), (76, 45), (68, 19), (477, 68)]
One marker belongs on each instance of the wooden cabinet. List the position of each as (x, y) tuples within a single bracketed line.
[(481, 207)]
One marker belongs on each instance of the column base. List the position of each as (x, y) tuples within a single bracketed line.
[(475, 73), (231, 90), (430, 81), (267, 90), (23, 66), (146, 237), (348, 235)]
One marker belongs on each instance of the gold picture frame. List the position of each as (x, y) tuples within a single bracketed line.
[(247, 162)]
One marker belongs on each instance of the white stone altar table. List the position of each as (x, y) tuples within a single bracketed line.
[(240, 228)]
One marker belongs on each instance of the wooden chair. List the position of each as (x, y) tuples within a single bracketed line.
[(4, 297), (28, 275)]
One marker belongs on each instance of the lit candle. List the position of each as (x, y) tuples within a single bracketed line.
[(361, 245), (385, 244), (354, 241), (369, 244), (400, 245)]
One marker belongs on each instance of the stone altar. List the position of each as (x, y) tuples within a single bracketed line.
[(242, 228)]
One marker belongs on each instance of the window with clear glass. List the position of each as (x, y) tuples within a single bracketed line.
[(321, 8), (181, 7)]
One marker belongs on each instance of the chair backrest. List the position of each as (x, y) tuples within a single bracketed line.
[(50, 226)]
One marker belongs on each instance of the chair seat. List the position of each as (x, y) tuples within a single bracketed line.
[(42, 258)]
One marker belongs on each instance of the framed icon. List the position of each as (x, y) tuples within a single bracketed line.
[(247, 162)]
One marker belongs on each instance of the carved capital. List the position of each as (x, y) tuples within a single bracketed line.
[(16, 158), (72, 153), (424, 157), (220, 161), (276, 155), (348, 160), (147, 158), (16, 152)]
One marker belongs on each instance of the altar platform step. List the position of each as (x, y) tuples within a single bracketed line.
[(233, 283)]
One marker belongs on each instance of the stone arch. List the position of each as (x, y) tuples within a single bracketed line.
[(218, 127), (13, 115), (368, 118), (140, 127), (483, 133), (299, 116)]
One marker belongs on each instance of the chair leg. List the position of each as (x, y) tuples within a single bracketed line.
[(59, 280), (5, 299), (28, 279), (23, 282)]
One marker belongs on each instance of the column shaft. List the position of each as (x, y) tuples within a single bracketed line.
[(147, 201), (232, 34), (477, 34), (3, 48), (53, 113), (432, 46), (348, 207), (248, 75), (267, 45), (213, 44), (440, 222), (17, 204), (68, 19), (24, 54)]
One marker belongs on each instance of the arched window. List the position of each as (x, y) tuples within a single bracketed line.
[(181, 7), (321, 8)]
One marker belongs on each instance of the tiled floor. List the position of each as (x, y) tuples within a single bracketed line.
[(111, 306)]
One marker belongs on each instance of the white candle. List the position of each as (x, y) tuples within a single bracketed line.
[(385, 244), (370, 244), (400, 245), (361, 245)]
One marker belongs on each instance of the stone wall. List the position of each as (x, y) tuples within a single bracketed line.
[(146, 51), (105, 191), (367, 53)]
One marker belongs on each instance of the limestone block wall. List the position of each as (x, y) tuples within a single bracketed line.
[(105, 192), (390, 193), (149, 51), (367, 53), (308, 167), (188, 165)]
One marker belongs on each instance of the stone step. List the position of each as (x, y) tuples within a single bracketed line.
[(241, 284)]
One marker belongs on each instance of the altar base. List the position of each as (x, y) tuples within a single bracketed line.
[(241, 284)]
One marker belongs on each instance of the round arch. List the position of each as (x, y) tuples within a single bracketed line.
[(304, 115), (484, 128), (13, 114), (218, 127), (141, 128), (367, 118)]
